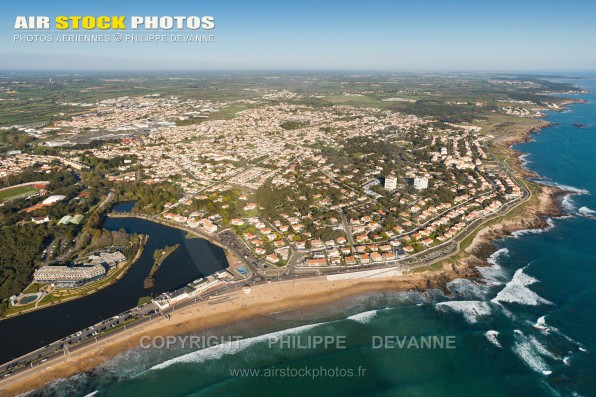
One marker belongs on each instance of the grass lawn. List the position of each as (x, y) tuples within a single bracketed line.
[(16, 192), (32, 288)]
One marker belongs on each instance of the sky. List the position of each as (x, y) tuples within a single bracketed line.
[(389, 35)]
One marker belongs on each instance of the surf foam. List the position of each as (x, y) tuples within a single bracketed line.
[(471, 310), (526, 351), (516, 291), (364, 317), (519, 233), (494, 275), (585, 211), (493, 259), (492, 338), (229, 348)]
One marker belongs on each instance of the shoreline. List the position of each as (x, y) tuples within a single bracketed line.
[(122, 272), (268, 299), (263, 300), (546, 197), (299, 294)]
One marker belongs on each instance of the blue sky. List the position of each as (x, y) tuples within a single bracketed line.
[(339, 35)]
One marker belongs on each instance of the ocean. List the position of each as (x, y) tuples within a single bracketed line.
[(529, 330)]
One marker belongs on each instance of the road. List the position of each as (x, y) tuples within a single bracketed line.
[(231, 241), (70, 343)]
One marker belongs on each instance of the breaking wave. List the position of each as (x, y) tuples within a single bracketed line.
[(524, 159), (568, 203), (492, 338), (467, 288), (525, 350), (516, 291), (494, 275), (541, 324), (585, 211), (363, 317), (519, 233), (540, 348), (572, 189), (471, 310), (229, 348), (495, 256)]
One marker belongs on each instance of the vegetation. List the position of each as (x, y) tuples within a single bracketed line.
[(15, 139), (20, 245), (143, 300), (150, 199), (16, 192), (293, 125), (159, 255), (22, 242)]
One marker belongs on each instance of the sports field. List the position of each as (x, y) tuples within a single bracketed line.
[(16, 192)]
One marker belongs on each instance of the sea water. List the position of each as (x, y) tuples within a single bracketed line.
[(529, 330)]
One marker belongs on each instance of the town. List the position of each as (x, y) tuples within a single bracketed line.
[(276, 182)]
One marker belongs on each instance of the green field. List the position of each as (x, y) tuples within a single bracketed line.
[(16, 192)]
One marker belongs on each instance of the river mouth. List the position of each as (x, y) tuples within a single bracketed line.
[(195, 258)]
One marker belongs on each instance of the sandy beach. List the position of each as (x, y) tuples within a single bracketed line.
[(262, 300), (302, 293)]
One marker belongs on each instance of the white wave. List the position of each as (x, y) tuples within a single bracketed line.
[(568, 203), (569, 339), (467, 288), (524, 159), (585, 211), (91, 394), (540, 348), (495, 256), (492, 338), (61, 386), (494, 275), (526, 351), (471, 310), (232, 347), (519, 233), (516, 291), (573, 189), (582, 349), (568, 188), (567, 360), (363, 317), (541, 324), (547, 328)]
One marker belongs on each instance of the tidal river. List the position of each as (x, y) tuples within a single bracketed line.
[(527, 331), (194, 258)]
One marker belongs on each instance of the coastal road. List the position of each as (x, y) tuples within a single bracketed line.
[(75, 341), (232, 241)]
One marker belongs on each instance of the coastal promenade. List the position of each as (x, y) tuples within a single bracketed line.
[(222, 294)]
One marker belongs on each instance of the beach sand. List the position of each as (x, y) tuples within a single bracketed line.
[(262, 300), (303, 293)]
